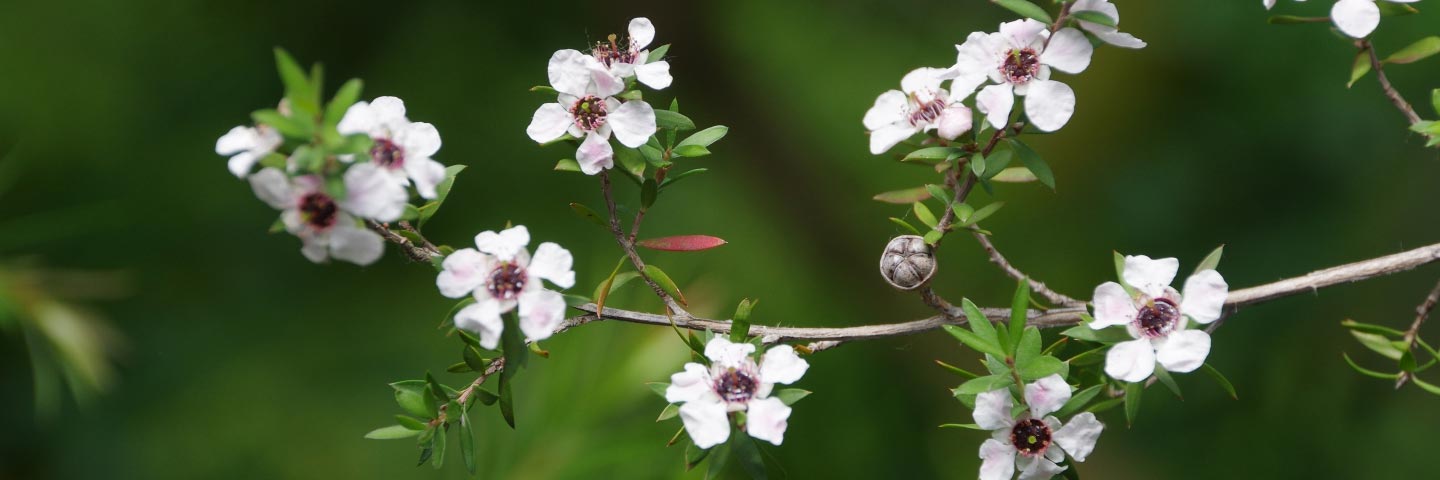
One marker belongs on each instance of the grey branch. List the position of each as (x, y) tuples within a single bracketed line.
[(1394, 95), (1015, 273)]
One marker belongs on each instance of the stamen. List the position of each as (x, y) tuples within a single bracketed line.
[(506, 281), (1030, 437), (589, 113), (735, 385), (318, 210), (1158, 318), (387, 154), (1020, 66)]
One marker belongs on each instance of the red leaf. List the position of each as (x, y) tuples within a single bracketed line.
[(683, 243)]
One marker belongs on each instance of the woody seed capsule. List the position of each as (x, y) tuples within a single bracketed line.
[(908, 262)]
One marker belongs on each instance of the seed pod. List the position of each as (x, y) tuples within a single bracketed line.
[(908, 262)]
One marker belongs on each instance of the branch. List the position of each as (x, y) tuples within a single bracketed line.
[(1015, 273), (628, 246), (1390, 92), (1421, 313), (423, 252), (495, 367)]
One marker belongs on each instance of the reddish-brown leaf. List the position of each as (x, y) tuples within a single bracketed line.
[(682, 243)]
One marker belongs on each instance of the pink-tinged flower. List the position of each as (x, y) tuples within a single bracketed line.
[(401, 148), (500, 273), (246, 146), (1106, 33), (734, 382), (588, 110), (1155, 317), (330, 227), (1035, 442), (1018, 61), (919, 106), (629, 58)]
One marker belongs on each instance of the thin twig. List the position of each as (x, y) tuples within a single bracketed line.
[(1421, 313), (1394, 95), (629, 248), (464, 397), (1015, 273), (419, 253)]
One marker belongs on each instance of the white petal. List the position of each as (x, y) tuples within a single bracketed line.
[(541, 312), (887, 137), (889, 108), (389, 111), (236, 140), (483, 318), (359, 118), (997, 460), (419, 139), (782, 365), (549, 123), (1112, 306), (921, 80), (571, 71), (634, 123), (462, 272), (356, 245), (642, 32), (1046, 395), (315, 248), (241, 163), (690, 385), (1120, 39), (273, 188), (1038, 468), (706, 422), (554, 263), (372, 193), (656, 75), (1183, 351), (1069, 51), (1078, 437), (995, 102), (595, 154), (765, 419), (1022, 33), (722, 351), (954, 121), (992, 410), (1049, 104), (1357, 18), (1269, 4), (1204, 296), (505, 245), (1102, 6), (1149, 276), (1131, 361), (426, 174)]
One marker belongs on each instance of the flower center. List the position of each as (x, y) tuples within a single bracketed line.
[(1031, 437), (1158, 319), (927, 112), (506, 281), (610, 53), (735, 385), (387, 154), (1020, 65), (589, 113), (318, 210)]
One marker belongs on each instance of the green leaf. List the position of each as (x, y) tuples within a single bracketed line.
[(967, 426), (1032, 161), (658, 53), (567, 165), (1368, 372), (955, 370), (791, 395), (690, 151), (1396, 9), (1110, 335), (748, 454), (740, 324), (1420, 50), (1132, 401), (923, 214), (442, 191), (931, 154), (410, 395), (981, 214), (937, 192), (658, 387), (1407, 361), (977, 165), (1019, 313), (1211, 261), (1220, 379), (507, 400), (1120, 268), (721, 456), (603, 290), (704, 138), (649, 191), (970, 339), (485, 397), (1378, 344), (1088, 357), (1025, 9), (1295, 20), (903, 225), (1093, 17), (1435, 99), (983, 384), (660, 278), (1425, 385), (933, 237), (1359, 68), (1369, 328), (1078, 401), (666, 119), (979, 323), (1014, 175), (996, 163), (467, 443), (1169, 381), (694, 455), (437, 459), (631, 161), (411, 422), (1105, 405), (393, 432), (685, 174), (903, 197), (670, 411), (472, 358), (512, 346), (287, 126), (298, 89), (1043, 366), (348, 94), (588, 215)]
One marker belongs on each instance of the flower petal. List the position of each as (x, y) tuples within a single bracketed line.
[(992, 410), (554, 263), (1183, 351), (550, 121), (1022, 33), (505, 245), (765, 419), (889, 108), (781, 365), (954, 121), (723, 352), (1078, 437), (462, 272), (389, 111), (1038, 468), (642, 32), (995, 102), (1149, 276), (997, 460), (1046, 395), (483, 318), (656, 75), (426, 174), (273, 187), (372, 193), (633, 123), (356, 245), (541, 312), (706, 422), (359, 118), (595, 154), (689, 385), (1113, 306), (887, 137), (1117, 38), (316, 248), (419, 139), (236, 140), (921, 80), (572, 72), (1069, 51), (1049, 104), (1131, 361), (1204, 296), (1357, 18)]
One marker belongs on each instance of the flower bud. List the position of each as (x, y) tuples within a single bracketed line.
[(908, 262)]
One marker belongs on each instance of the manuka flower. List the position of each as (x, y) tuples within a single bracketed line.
[(401, 148), (1106, 33), (588, 110), (919, 106), (246, 146), (502, 275), (1035, 442), (734, 382), (1018, 61), (329, 226), (629, 58), (1156, 315)]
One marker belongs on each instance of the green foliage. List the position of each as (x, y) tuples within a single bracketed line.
[(1025, 9)]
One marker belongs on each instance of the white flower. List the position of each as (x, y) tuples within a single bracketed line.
[(588, 109), (735, 383), (1106, 33), (246, 146), (1018, 60), (1038, 438), (1357, 18), (1156, 317), (920, 105), (402, 148), (631, 59), (502, 275), (327, 226)]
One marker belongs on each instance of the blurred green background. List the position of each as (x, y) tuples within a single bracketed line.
[(244, 360)]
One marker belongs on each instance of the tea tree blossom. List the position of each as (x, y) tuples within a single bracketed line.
[(919, 106), (246, 146), (1034, 442), (1018, 60), (1358, 18), (401, 148), (1106, 33), (629, 58), (328, 226), (587, 109), (501, 275), (1156, 317), (734, 382)]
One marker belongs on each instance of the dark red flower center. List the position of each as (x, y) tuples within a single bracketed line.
[(318, 210), (927, 112), (610, 53), (506, 281), (735, 385), (1030, 437), (589, 113), (1159, 318), (1021, 65), (387, 154)]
